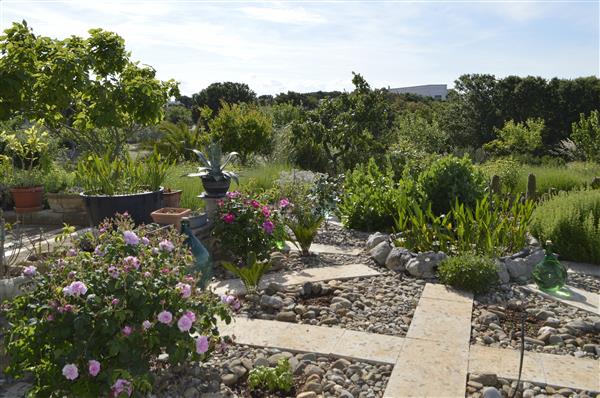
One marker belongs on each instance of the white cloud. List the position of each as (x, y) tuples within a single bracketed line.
[(285, 15)]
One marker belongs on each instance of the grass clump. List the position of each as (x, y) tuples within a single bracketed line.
[(572, 222), (468, 272), (279, 378)]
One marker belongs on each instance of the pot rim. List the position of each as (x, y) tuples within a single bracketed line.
[(34, 188), (83, 194)]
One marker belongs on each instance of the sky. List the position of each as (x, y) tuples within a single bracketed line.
[(276, 46)]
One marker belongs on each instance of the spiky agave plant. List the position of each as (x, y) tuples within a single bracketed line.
[(214, 163)]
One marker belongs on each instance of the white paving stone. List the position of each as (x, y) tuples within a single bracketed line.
[(572, 296), (327, 249), (298, 277)]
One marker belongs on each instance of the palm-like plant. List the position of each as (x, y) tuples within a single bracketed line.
[(214, 163), (178, 138)]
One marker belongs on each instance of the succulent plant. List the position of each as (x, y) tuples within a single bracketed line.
[(214, 162)]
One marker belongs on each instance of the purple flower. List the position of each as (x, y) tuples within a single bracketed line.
[(185, 289), (202, 344), (231, 301), (30, 271), (94, 367), (147, 274), (50, 317), (166, 245), (228, 218), (72, 274), (120, 386), (131, 262), (72, 252), (146, 324), (232, 195), (191, 315), (165, 317), (266, 211), (268, 226), (131, 238), (70, 371), (255, 204), (75, 289), (127, 330), (184, 323), (145, 241), (99, 252), (115, 301), (113, 271), (283, 203)]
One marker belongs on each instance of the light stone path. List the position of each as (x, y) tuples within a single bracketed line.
[(435, 357), (582, 268), (298, 277), (326, 249), (573, 296)]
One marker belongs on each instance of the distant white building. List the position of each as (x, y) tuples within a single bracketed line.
[(437, 91)]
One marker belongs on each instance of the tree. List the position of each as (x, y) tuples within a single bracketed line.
[(421, 133), (586, 135), (242, 128), (176, 113), (81, 85), (217, 93), (517, 137), (344, 131)]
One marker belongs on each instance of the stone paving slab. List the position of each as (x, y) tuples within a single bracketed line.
[(582, 268), (555, 370), (429, 369), (572, 296), (327, 249), (441, 320), (442, 292), (298, 277), (325, 340)]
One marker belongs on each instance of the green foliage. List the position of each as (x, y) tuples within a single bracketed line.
[(507, 169), (216, 94), (112, 321), (370, 197), (243, 224), (517, 137), (304, 219), (422, 133), (468, 272), (344, 131), (79, 84), (325, 193), (492, 227), (279, 378), (214, 162), (586, 135), (58, 180), (572, 176), (572, 222), (250, 273), (261, 178), (176, 179), (99, 175), (178, 114), (178, 139), (28, 148), (448, 179), (243, 128)]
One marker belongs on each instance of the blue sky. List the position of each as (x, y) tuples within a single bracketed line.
[(277, 46)]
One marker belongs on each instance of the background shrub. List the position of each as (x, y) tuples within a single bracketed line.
[(572, 222), (448, 179), (468, 272)]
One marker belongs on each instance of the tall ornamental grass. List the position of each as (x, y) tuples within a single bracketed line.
[(572, 222)]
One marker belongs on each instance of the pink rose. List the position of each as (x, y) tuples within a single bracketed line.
[(191, 315), (184, 289), (113, 272), (76, 289), (265, 211), (165, 317), (146, 324), (30, 271), (228, 218), (115, 301), (127, 330), (184, 323), (268, 227), (202, 344), (70, 371), (120, 386), (166, 245), (283, 203), (131, 262), (94, 367), (255, 204)]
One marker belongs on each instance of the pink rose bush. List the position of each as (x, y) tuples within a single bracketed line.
[(244, 224), (103, 319)]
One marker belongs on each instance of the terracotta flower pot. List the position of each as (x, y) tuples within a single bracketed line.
[(27, 200), (171, 198), (170, 215)]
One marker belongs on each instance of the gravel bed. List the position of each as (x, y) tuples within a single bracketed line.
[(490, 386), (382, 304), (336, 235), (585, 282), (225, 374), (551, 327)]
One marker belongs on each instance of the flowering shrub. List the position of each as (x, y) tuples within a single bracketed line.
[(247, 225), (97, 319)]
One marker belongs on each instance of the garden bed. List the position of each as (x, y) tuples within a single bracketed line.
[(477, 384), (226, 374), (382, 304), (551, 327)]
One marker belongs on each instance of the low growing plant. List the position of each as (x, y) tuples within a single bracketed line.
[(468, 272), (95, 323), (279, 378), (250, 273), (304, 221), (572, 222)]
